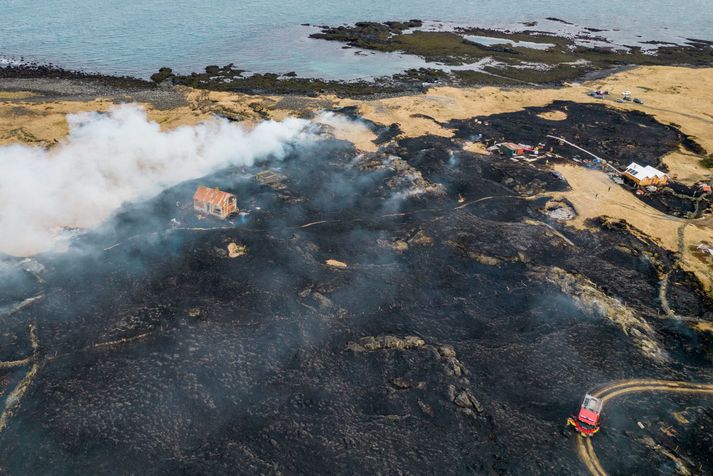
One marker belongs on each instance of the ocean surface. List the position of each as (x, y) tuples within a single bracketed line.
[(136, 37)]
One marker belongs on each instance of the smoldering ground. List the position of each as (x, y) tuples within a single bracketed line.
[(110, 158), (621, 137), (161, 354)]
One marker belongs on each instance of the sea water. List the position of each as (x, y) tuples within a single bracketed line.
[(136, 37)]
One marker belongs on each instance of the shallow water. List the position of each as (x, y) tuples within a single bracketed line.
[(492, 41), (136, 37)]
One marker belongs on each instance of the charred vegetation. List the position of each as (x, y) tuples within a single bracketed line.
[(462, 325)]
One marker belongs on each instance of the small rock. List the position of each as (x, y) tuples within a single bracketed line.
[(447, 351), (399, 382), (400, 245), (455, 365), (425, 408), (391, 342), (462, 400), (370, 343), (324, 301), (354, 347), (336, 264), (411, 342), (235, 250), (559, 210), (474, 401), (452, 392), (468, 412), (421, 238), (484, 259)]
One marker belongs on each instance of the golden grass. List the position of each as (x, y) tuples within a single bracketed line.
[(673, 95), (16, 94)]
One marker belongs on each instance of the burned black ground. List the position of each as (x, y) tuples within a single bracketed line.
[(619, 137), (157, 351)]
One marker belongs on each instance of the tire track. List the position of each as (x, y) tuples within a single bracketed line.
[(585, 446)]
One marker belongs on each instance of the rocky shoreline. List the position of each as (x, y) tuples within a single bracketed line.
[(38, 70), (559, 60), (549, 59), (52, 83)]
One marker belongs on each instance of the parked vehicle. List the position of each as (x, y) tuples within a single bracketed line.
[(586, 422)]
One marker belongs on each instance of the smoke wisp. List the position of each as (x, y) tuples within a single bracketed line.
[(111, 158)]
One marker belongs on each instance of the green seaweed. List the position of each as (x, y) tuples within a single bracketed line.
[(512, 65)]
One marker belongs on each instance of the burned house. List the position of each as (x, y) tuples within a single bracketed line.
[(271, 179), (644, 176), (510, 149), (213, 201)]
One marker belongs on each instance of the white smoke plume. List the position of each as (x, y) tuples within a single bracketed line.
[(345, 128), (111, 158)]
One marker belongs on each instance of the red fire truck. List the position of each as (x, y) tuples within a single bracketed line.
[(587, 421)]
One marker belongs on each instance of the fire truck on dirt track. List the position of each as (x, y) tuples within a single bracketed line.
[(586, 423)]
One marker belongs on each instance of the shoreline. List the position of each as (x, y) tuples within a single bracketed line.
[(457, 57)]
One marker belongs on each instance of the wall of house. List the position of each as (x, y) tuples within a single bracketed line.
[(647, 181), (207, 207)]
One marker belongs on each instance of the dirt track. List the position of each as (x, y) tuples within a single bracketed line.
[(585, 446)]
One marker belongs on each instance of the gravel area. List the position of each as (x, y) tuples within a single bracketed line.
[(82, 89)]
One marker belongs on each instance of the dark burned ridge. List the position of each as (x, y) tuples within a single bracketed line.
[(157, 351)]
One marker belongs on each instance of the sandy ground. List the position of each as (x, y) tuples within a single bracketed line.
[(694, 233), (554, 115), (673, 95), (686, 168), (4, 95), (45, 123), (594, 195), (476, 148)]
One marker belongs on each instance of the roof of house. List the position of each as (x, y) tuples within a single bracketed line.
[(643, 172), (212, 195), (511, 145), (269, 176), (514, 146)]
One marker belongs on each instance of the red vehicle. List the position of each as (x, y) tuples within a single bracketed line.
[(587, 421)]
